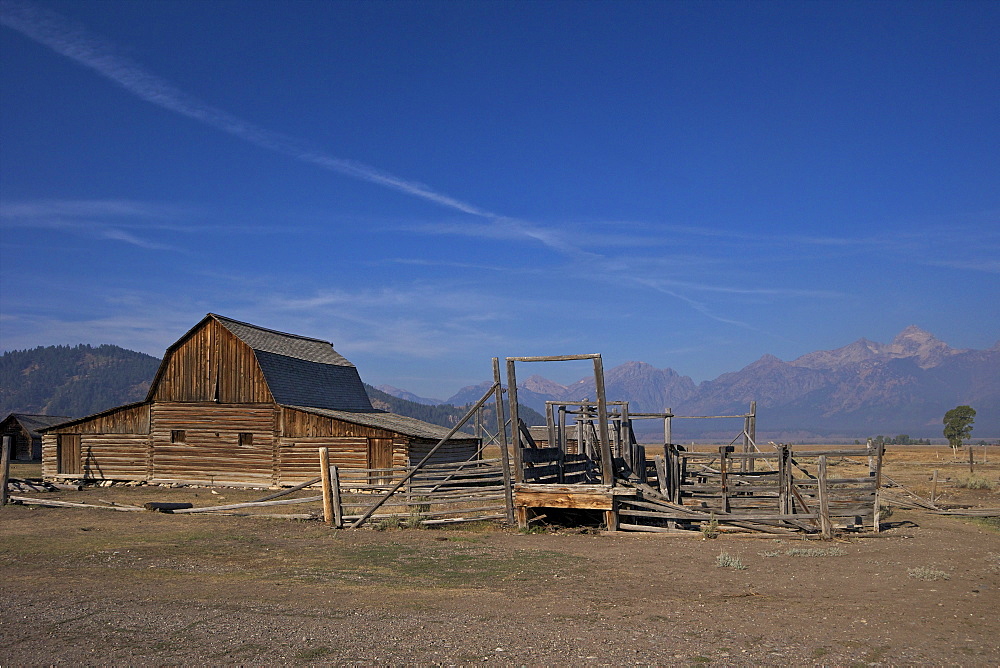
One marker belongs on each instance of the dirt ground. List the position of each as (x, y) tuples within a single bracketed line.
[(97, 587)]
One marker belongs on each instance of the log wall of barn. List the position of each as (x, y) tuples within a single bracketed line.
[(102, 457), (50, 462), (113, 445), (124, 420), (201, 443), (299, 457), (212, 364), (451, 451), (303, 434), (114, 456), (297, 424)]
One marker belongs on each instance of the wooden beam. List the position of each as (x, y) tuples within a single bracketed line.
[(607, 464), (515, 420), (368, 513)]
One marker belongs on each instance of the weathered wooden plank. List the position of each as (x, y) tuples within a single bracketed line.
[(68, 504), (251, 504), (590, 501), (537, 455), (681, 533), (592, 488), (166, 506), (535, 472)]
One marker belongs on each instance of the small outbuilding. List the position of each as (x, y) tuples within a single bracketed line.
[(23, 429), (237, 404)]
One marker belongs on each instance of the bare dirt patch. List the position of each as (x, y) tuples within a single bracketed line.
[(112, 588)]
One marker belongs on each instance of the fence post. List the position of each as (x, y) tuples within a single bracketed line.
[(5, 469), (679, 473), (508, 489), (338, 511), (724, 469), (824, 500), (324, 475), (784, 493), (880, 455)]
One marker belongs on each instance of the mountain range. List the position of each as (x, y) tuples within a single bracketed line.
[(862, 389)]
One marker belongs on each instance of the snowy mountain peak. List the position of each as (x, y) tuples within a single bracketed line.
[(922, 345)]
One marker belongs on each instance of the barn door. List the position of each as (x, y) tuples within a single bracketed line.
[(22, 449), (380, 457), (68, 453)]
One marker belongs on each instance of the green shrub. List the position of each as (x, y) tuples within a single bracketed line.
[(726, 560), (975, 482), (805, 552), (710, 529), (927, 573)]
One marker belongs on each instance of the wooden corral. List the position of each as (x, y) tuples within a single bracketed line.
[(23, 430), (237, 404), (587, 457)]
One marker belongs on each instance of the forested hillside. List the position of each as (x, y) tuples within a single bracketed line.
[(73, 380)]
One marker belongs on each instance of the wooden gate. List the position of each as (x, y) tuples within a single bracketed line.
[(380, 457), (69, 454)]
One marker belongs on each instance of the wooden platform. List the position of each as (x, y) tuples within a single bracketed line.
[(529, 496)]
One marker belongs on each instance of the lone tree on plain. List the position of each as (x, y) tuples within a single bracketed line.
[(958, 425)]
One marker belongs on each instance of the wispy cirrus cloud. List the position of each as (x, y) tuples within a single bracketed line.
[(127, 221), (986, 265), (115, 220), (77, 43)]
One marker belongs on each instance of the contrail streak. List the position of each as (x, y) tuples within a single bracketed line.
[(76, 43)]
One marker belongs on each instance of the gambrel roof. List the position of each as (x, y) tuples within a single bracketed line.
[(280, 343), (298, 370)]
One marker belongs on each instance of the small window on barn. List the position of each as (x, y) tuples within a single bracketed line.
[(178, 436), (246, 439)]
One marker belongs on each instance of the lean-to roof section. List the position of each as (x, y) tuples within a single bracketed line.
[(400, 424)]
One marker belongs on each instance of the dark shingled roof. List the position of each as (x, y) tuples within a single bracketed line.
[(300, 383), (34, 423), (280, 343), (301, 371), (400, 424)]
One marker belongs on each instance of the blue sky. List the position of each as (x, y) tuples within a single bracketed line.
[(432, 184)]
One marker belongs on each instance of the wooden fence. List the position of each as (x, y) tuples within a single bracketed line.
[(784, 489), (432, 495)]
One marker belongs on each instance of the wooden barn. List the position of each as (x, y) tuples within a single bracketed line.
[(23, 430), (237, 404)]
